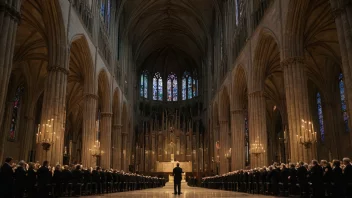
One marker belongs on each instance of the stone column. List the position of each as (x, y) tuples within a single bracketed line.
[(89, 131), (297, 109), (223, 146), (342, 10), (28, 138), (5, 128), (9, 17), (257, 128), (105, 139), (124, 151), (238, 140), (54, 108), (116, 138)]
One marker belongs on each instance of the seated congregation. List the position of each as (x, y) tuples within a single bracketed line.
[(33, 180), (307, 180)]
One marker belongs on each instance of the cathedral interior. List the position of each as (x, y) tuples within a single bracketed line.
[(137, 85)]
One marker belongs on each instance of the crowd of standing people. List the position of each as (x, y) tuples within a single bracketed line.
[(35, 180), (316, 179)]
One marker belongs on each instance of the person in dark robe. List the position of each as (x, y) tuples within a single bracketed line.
[(57, 179), (77, 179), (347, 176), (31, 181), (177, 173), (327, 176), (337, 180), (6, 178), (44, 178), (20, 179), (292, 178), (316, 177), (302, 177)]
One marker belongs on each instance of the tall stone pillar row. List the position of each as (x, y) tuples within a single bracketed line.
[(342, 10), (238, 160), (105, 139), (223, 146), (116, 151), (5, 129), (297, 110), (9, 18), (258, 137), (124, 157), (28, 139), (89, 132)]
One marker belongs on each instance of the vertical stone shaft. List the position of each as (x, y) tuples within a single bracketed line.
[(27, 139), (124, 153), (297, 108), (342, 10), (223, 146), (116, 137), (5, 128), (9, 17), (54, 108), (89, 132), (238, 141), (257, 128), (106, 139)]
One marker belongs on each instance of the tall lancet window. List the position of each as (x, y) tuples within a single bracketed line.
[(189, 85), (144, 84), (343, 102), (157, 87), (320, 117), (195, 84), (184, 85), (15, 113), (172, 87)]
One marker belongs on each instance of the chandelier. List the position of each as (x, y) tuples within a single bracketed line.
[(309, 135), (256, 148), (46, 135), (96, 151)]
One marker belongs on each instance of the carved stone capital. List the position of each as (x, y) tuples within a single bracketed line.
[(256, 94), (117, 126), (58, 69), (222, 122), (105, 114), (237, 111), (10, 11), (92, 96), (292, 60)]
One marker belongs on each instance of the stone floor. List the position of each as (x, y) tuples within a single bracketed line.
[(188, 192)]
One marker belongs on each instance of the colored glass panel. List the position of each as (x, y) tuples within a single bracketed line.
[(184, 88), (343, 102), (194, 87), (142, 85), (145, 86), (174, 90), (160, 89), (169, 92), (190, 94), (102, 8), (155, 89), (320, 117), (15, 113)]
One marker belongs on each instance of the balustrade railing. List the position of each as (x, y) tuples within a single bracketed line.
[(85, 12), (258, 14), (103, 44)]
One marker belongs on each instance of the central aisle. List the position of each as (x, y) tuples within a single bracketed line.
[(188, 192)]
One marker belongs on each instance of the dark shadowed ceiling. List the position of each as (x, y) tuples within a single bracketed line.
[(171, 33)]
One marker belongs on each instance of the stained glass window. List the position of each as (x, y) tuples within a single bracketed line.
[(343, 102), (157, 87), (184, 85), (320, 117), (15, 112), (172, 87), (102, 8), (144, 84), (190, 94)]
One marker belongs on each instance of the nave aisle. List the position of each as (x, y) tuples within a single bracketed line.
[(188, 192)]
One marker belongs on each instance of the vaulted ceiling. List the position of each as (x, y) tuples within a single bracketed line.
[(168, 28)]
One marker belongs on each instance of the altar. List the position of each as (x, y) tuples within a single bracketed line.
[(167, 167)]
